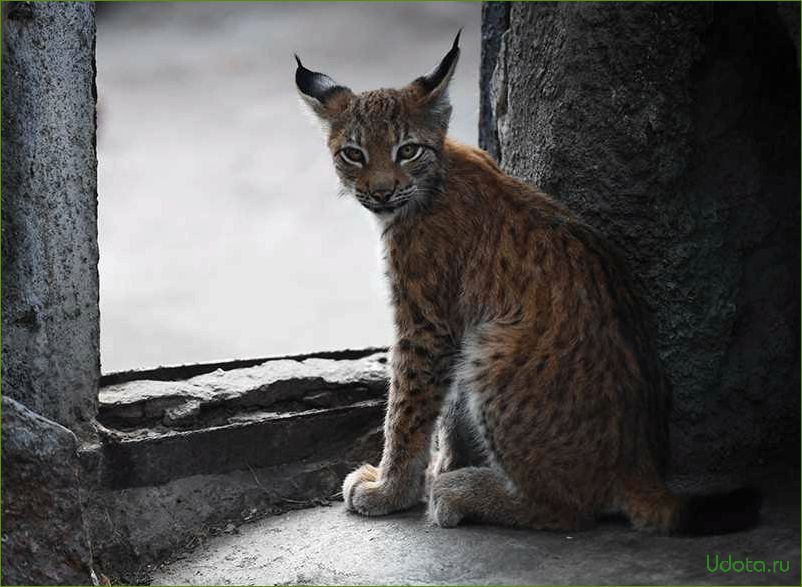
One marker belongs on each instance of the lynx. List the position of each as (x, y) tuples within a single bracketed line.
[(525, 388)]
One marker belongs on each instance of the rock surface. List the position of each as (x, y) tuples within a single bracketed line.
[(44, 538), (136, 528), (674, 130), (327, 546), (51, 360), (222, 397), (182, 460)]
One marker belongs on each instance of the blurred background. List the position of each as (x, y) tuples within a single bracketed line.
[(221, 234)]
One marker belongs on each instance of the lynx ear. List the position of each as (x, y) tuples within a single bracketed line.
[(432, 88), (323, 94)]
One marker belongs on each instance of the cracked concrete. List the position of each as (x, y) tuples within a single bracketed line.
[(327, 546)]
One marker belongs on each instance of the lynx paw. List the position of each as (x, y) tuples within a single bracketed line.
[(444, 498), (365, 492)]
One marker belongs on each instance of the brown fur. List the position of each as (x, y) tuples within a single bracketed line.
[(519, 336)]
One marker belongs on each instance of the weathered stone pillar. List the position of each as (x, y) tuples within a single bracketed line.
[(51, 362), (674, 129), (50, 282)]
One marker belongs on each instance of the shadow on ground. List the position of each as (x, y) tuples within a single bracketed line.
[(327, 546)]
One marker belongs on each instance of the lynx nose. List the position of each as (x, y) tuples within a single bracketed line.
[(382, 193)]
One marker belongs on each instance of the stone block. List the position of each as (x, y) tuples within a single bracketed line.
[(45, 541)]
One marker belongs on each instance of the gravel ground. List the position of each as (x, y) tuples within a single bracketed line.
[(221, 235)]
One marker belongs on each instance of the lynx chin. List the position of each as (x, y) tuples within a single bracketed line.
[(525, 387)]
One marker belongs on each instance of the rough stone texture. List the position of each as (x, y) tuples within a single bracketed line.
[(221, 397), (49, 207), (495, 21), (674, 129), (180, 372), (258, 439), (44, 538), (134, 529), (328, 546), (181, 460)]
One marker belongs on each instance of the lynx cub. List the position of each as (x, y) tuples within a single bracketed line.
[(523, 362)]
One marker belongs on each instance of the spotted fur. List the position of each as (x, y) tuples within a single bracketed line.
[(522, 348)]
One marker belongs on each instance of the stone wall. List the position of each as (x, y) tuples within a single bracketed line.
[(50, 315), (674, 129), (51, 361), (45, 539)]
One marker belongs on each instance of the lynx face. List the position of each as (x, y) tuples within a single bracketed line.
[(386, 145)]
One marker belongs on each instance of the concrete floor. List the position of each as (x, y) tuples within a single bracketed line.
[(327, 546)]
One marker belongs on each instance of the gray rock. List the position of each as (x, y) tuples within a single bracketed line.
[(182, 460), (182, 414), (44, 538), (51, 358), (151, 492), (139, 527), (674, 130), (254, 439), (278, 385)]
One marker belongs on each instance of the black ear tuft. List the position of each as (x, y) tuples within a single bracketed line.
[(315, 85), (444, 69)]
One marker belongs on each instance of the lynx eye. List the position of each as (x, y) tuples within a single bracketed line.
[(353, 155), (408, 152)]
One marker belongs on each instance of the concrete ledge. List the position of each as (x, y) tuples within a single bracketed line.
[(222, 396), (182, 372), (182, 459), (268, 439), (135, 529)]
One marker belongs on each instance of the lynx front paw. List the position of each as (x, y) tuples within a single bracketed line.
[(365, 492)]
